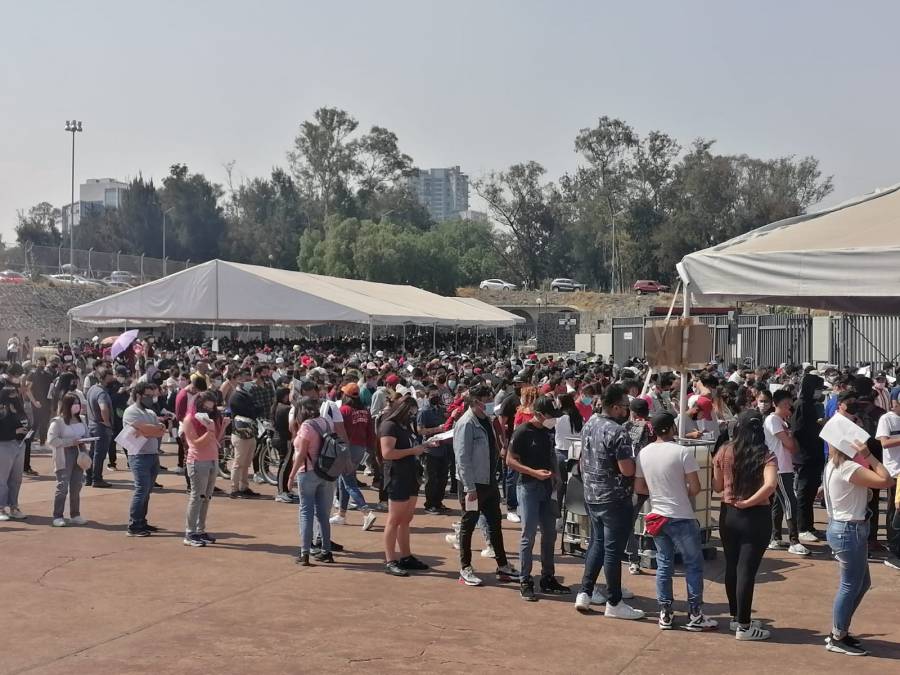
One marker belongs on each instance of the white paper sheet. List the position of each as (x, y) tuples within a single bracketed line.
[(443, 436), (839, 432), (131, 440)]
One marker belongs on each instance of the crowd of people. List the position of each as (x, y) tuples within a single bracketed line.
[(483, 434)]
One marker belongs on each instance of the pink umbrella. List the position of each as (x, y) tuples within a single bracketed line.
[(122, 343)]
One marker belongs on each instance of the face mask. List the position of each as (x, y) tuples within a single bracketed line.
[(216, 384), (76, 408), (210, 411), (120, 380), (549, 423), (451, 384), (148, 401), (489, 409), (852, 408), (467, 372), (763, 407), (586, 400)]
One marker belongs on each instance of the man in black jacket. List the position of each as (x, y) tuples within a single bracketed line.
[(809, 460)]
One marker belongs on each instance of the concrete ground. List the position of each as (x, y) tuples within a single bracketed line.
[(91, 600)]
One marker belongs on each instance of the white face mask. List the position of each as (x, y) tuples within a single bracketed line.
[(489, 409), (549, 423)]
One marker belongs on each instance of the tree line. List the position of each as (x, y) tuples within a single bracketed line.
[(630, 208)]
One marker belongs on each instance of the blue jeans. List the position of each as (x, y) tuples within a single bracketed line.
[(347, 486), (683, 535), (609, 534), (849, 543), (145, 468), (101, 451), (316, 495), (510, 480), (537, 507)]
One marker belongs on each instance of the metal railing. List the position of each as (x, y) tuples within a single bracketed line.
[(42, 260)]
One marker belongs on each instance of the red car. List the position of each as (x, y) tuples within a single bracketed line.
[(648, 286), (12, 277)]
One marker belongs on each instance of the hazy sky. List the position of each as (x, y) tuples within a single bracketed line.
[(478, 83)]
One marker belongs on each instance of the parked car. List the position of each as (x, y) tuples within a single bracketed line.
[(568, 285), (72, 279), (123, 276), (649, 286), (12, 277), (496, 285), (112, 283)]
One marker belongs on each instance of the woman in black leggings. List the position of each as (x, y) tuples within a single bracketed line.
[(746, 473)]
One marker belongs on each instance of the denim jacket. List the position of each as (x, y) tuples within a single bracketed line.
[(473, 452)]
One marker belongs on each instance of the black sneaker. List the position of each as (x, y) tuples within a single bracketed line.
[(433, 511), (151, 528), (193, 540), (411, 562), (843, 646), (218, 491), (237, 494), (102, 484), (207, 538), (665, 618), (526, 588), (137, 533), (393, 568), (324, 557), (551, 586), (30, 472), (303, 560), (247, 492), (336, 547)]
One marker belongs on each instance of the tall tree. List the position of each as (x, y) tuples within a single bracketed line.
[(197, 220), (38, 226)]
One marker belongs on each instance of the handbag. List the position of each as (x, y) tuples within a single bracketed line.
[(654, 523), (83, 460)]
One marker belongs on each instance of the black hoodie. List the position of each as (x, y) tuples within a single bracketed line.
[(805, 423)]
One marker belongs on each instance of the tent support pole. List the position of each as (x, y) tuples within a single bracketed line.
[(70, 333), (404, 338), (682, 396), (476, 338), (434, 338), (370, 337)]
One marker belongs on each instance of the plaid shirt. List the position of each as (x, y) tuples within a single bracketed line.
[(263, 399)]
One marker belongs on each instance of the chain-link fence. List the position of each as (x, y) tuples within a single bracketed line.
[(41, 260)]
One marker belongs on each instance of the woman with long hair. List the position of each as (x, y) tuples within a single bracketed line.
[(399, 449), (63, 437), (315, 492), (203, 429), (524, 412), (846, 483), (746, 473), (568, 425), (281, 438)]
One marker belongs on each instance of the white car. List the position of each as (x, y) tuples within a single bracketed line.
[(496, 285), (72, 279), (568, 285)]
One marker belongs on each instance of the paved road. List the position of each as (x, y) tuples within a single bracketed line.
[(91, 600)]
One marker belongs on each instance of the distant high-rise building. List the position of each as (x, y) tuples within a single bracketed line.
[(444, 192), (95, 194)]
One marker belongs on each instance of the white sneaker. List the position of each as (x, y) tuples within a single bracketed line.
[(627, 593), (488, 552), (700, 623), (368, 521), (776, 544), (752, 634), (513, 517), (16, 513), (369, 472), (798, 549), (583, 603), (453, 540), (808, 537), (79, 520), (734, 625), (337, 520), (598, 597), (467, 577), (635, 569), (4, 515), (59, 522), (623, 611)]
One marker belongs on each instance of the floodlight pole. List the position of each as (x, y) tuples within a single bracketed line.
[(370, 336), (682, 397)]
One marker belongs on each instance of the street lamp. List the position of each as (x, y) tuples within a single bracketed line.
[(73, 126), (164, 237)]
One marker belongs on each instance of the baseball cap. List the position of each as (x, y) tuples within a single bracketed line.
[(662, 421), (639, 406), (350, 389), (279, 360), (391, 380), (379, 354), (544, 406)]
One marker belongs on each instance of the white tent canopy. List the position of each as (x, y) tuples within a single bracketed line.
[(845, 258), (221, 292)]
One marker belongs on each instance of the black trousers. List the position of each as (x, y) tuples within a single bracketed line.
[(785, 507), (41, 421), (807, 479), (437, 469), (745, 534), (489, 506), (287, 463)]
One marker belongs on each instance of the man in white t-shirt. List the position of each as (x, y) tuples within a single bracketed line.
[(780, 441), (888, 434), (669, 473)]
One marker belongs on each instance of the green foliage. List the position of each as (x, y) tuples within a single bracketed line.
[(196, 224), (38, 226)]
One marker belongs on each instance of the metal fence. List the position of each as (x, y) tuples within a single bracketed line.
[(865, 339), (760, 339), (89, 263)]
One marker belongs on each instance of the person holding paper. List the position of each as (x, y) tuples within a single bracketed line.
[(143, 458), (63, 438), (845, 486), (780, 441)]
